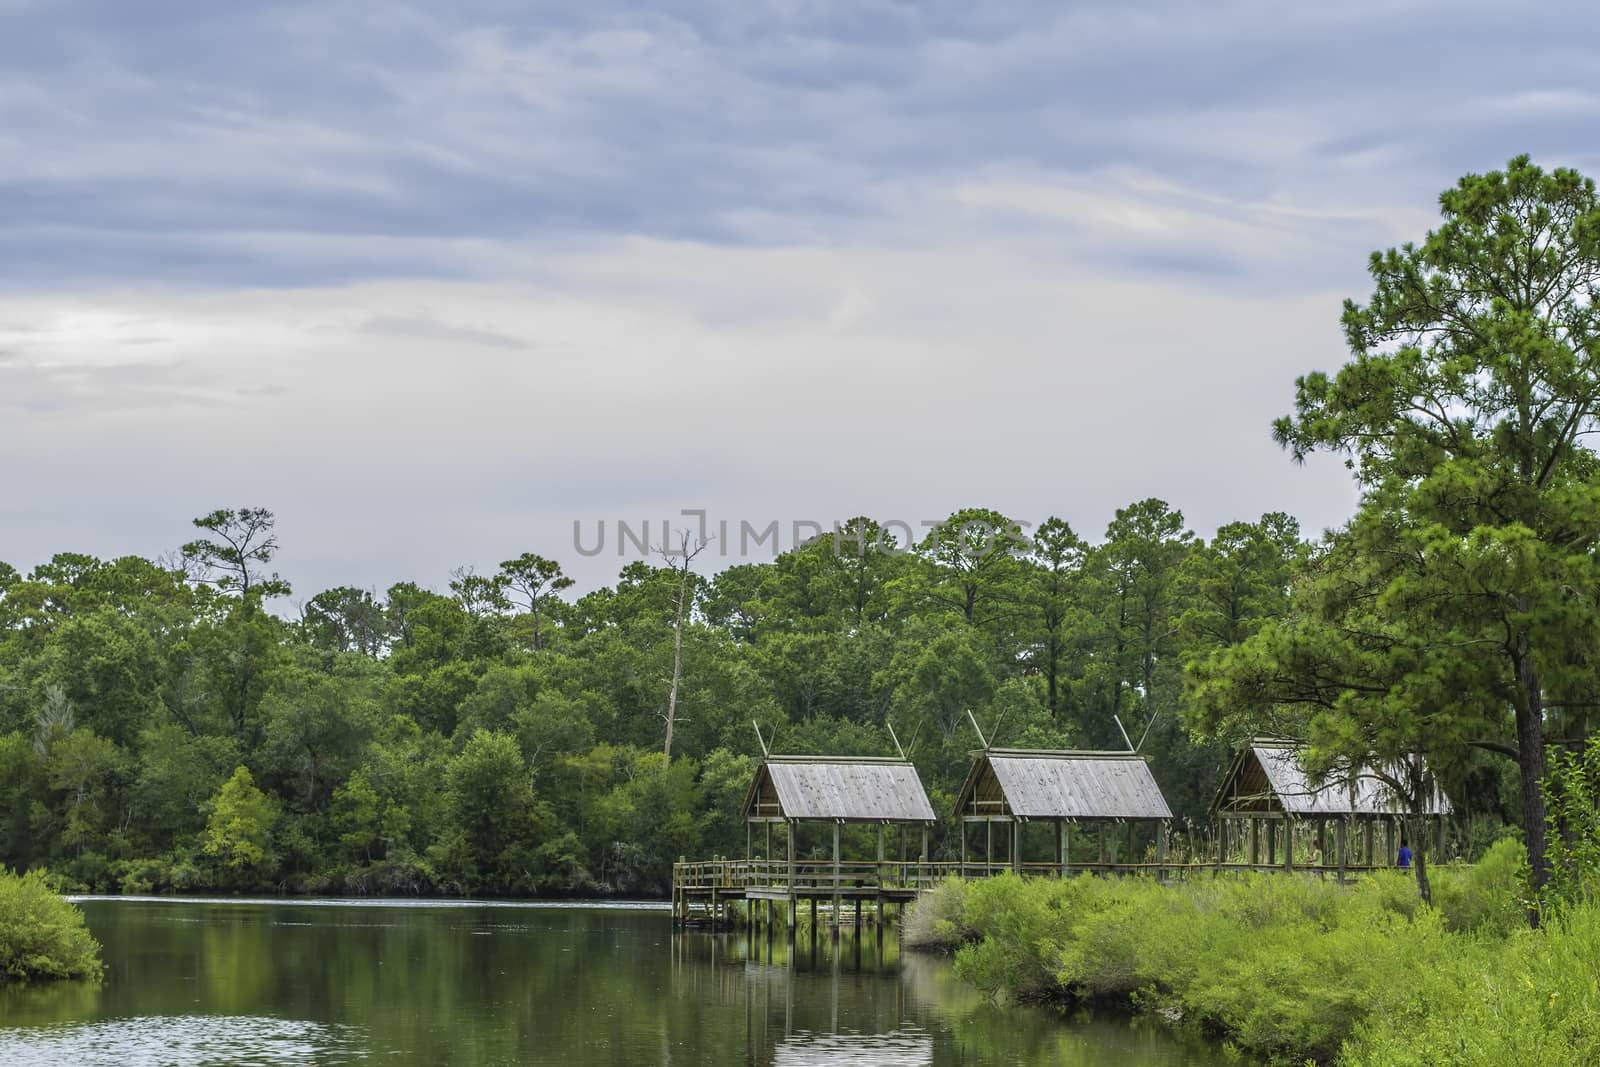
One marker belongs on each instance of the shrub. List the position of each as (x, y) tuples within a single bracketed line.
[(936, 919), (1487, 896), (1281, 966), (42, 935), (1530, 998)]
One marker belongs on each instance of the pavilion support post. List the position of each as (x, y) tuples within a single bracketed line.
[(878, 875), (1272, 844), (1063, 848), (1322, 842), (922, 858), (1388, 841), (962, 830), (1255, 841), (1016, 845), (789, 826), (1163, 829), (988, 847), (1288, 843), (836, 875)]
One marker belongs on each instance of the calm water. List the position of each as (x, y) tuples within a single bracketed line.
[(334, 983)]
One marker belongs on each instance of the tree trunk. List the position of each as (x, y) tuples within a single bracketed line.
[(1416, 824), (1531, 764), (677, 659)]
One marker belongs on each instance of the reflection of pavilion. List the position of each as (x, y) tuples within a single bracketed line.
[(903, 1047), (811, 1000)]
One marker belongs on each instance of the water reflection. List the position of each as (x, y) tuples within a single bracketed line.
[(860, 1000), (267, 982), (185, 1039)]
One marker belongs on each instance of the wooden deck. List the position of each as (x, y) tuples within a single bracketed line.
[(720, 892)]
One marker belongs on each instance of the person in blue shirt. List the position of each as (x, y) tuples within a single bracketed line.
[(1405, 855)]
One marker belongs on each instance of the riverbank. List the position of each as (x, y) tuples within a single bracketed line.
[(42, 935), (1292, 968)]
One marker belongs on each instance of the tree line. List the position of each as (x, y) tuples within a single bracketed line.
[(188, 724)]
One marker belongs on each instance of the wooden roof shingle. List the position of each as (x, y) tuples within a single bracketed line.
[(838, 789), (1074, 785)]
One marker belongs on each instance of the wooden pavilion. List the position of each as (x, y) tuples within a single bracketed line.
[(833, 791), (1099, 790), (1267, 796)]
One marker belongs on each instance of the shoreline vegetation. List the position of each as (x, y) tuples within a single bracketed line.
[(1291, 968), (42, 935)]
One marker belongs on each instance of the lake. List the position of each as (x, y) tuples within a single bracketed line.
[(335, 982)]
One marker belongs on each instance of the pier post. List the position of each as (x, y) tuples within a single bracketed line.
[(836, 878), (922, 859), (789, 825)]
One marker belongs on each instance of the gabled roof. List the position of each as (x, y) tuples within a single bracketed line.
[(838, 789), (1059, 784), (1268, 775)]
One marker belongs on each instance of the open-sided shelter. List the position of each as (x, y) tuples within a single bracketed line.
[(835, 791), (1267, 794), (1098, 790)]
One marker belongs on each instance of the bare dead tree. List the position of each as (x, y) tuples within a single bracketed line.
[(680, 559)]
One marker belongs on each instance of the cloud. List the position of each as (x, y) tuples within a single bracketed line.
[(434, 281), (761, 384)]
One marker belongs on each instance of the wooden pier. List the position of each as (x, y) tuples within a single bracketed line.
[(721, 892), (724, 893)]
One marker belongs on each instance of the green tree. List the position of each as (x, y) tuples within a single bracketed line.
[(532, 582), (239, 829), (346, 619), (1055, 594), (237, 549), (492, 806), (1463, 414)]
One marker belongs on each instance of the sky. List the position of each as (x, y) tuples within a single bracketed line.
[(440, 284)]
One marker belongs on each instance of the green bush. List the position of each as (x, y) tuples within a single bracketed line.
[(42, 935), (1486, 896), (1531, 998), (936, 919), (1289, 967)]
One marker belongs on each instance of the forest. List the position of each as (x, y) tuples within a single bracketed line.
[(189, 723)]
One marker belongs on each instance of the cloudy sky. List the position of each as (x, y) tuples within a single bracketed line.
[(435, 281)]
